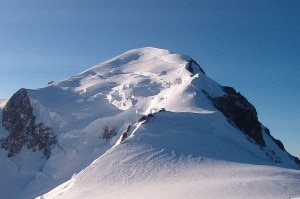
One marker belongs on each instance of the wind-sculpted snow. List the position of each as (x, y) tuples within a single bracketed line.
[(173, 155), (142, 120)]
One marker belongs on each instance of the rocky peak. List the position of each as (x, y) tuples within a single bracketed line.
[(17, 110), (19, 121), (240, 112)]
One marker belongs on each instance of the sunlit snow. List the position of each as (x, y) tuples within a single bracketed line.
[(187, 150)]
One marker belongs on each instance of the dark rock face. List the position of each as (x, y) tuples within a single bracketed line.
[(277, 142), (190, 68), (19, 121), (243, 115), (125, 133), (296, 160), (108, 132), (238, 110), (145, 118)]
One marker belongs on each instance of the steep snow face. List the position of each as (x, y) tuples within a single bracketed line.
[(95, 110)]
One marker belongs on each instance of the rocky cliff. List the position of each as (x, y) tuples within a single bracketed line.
[(240, 112), (24, 131)]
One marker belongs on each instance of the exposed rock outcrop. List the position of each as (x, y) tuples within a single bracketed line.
[(193, 67), (108, 133), (297, 160), (125, 133), (277, 142), (19, 121), (145, 118), (240, 112), (243, 115)]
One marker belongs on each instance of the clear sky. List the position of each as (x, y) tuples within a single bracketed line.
[(253, 46)]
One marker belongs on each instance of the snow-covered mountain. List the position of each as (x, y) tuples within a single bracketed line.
[(147, 123)]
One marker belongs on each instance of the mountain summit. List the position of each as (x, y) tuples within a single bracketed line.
[(148, 118)]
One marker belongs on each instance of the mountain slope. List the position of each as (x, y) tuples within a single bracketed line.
[(111, 107), (157, 161)]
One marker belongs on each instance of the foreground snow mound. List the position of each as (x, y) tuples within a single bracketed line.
[(53, 132), (173, 155)]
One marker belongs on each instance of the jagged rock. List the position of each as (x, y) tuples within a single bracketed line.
[(277, 142), (144, 118), (125, 133), (242, 113), (296, 160), (162, 110), (19, 121), (109, 133), (190, 67)]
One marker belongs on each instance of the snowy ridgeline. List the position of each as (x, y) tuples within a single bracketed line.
[(189, 160), (144, 125)]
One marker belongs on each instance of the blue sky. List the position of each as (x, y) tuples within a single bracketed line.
[(253, 46)]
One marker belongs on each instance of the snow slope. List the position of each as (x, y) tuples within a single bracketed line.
[(190, 143), (157, 161)]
